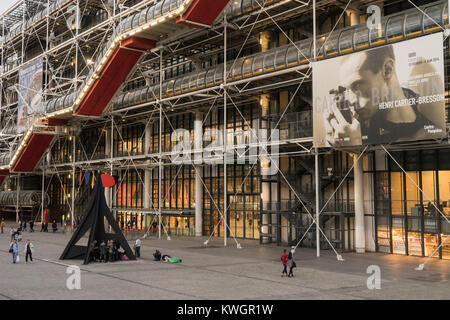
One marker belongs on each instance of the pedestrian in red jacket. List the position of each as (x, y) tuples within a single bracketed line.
[(284, 257)]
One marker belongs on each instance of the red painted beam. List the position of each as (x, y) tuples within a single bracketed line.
[(113, 75), (32, 153), (202, 11), (139, 43), (3, 175), (55, 122)]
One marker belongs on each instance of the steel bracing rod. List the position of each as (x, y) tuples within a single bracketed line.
[(225, 130), (140, 177), (274, 163), (17, 197), (425, 14), (235, 194), (317, 180), (423, 193), (95, 149), (98, 141), (309, 213), (161, 52), (247, 17), (343, 179), (316, 156), (282, 31), (63, 189), (43, 186), (238, 244), (287, 106), (95, 28), (218, 210), (434, 252), (335, 25), (73, 182), (331, 197), (242, 46), (111, 149)]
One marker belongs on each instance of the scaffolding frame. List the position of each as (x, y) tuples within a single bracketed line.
[(77, 51)]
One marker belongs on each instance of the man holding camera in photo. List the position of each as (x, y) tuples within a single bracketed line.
[(370, 106)]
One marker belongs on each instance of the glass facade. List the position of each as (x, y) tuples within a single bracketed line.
[(408, 221)]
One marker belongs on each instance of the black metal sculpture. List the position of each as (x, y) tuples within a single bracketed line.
[(93, 218)]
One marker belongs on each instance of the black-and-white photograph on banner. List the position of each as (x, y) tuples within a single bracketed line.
[(30, 93), (393, 93)]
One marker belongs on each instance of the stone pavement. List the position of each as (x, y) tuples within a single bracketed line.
[(216, 272)]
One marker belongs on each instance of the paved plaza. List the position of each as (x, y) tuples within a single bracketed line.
[(216, 272)]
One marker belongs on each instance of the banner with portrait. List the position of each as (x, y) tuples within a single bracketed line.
[(393, 93), (30, 93)]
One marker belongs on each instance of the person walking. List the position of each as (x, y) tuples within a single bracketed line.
[(25, 226), (31, 226), (291, 264), (54, 226), (12, 233), (137, 246), (2, 224), (110, 251), (102, 248), (28, 250), (14, 249), (284, 257)]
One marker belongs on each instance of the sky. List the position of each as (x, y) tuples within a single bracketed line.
[(5, 4)]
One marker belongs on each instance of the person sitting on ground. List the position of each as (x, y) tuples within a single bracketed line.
[(165, 258), (116, 251), (96, 251), (91, 250), (157, 255), (110, 251)]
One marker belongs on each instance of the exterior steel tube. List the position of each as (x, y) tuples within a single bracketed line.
[(198, 179), (360, 234)]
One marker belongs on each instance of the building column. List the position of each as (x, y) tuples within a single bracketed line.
[(147, 190), (148, 138), (198, 147), (354, 18), (265, 186), (264, 40), (360, 234), (148, 172), (108, 155), (17, 197)]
